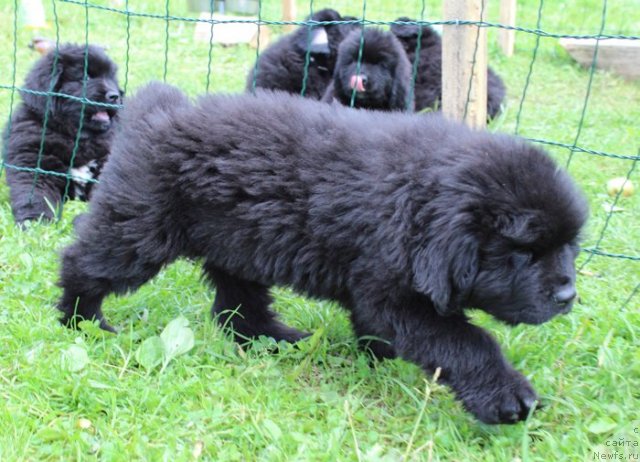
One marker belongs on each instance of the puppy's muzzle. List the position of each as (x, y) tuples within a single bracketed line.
[(564, 297), (358, 82)]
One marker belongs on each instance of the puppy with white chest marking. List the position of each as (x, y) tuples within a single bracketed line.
[(53, 144)]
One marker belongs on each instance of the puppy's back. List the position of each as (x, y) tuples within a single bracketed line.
[(162, 127), (152, 103)]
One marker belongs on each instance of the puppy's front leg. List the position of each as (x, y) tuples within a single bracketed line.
[(470, 360), (31, 201)]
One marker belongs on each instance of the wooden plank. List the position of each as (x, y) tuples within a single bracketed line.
[(231, 33), (458, 68), (32, 14), (507, 37), (289, 13), (617, 55)]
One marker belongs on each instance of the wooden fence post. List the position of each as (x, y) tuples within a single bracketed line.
[(507, 37), (289, 13), (461, 46)]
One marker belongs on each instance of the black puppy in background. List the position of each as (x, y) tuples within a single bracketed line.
[(281, 66), (376, 77), (428, 85), (40, 194)]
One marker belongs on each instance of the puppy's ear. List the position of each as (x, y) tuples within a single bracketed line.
[(315, 41), (44, 77), (399, 95), (446, 267), (404, 30), (319, 41), (330, 92), (401, 89), (522, 228)]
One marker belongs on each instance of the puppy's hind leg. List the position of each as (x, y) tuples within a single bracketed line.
[(243, 306), (97, 265)]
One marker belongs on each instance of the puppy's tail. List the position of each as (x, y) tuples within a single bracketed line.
[(151, 104)]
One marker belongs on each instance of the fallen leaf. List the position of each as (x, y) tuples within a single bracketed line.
[(197, 449), (84, 424), (610, 208)]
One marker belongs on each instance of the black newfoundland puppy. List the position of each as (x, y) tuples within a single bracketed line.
[(405, 220), (281, 65), (45, 161), (428, 85), (376, 77)]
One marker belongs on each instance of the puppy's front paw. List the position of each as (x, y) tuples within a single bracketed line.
[(22, 218), (507, 399), (71, 321)]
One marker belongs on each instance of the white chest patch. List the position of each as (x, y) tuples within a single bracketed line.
[(80, 176)]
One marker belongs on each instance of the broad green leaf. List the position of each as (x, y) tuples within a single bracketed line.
[(27, 261), (602, 425), (177, 338), (272, 429), (75, 358), (151, 352)]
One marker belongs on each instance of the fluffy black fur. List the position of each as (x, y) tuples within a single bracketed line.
[(60, 71), (383, 72), (406, 220), (428, 85), (281, 65)]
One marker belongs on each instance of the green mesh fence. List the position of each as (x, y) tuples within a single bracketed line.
[(595, 136)]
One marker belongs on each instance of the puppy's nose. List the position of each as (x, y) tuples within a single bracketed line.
[(358, 82), (112, 96), (565, 295)]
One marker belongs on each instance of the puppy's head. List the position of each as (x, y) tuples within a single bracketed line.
[(373, 69), (504, 236), (409, 34), (62, 71), (321, 41)]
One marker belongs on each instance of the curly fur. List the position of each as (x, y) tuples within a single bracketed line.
[(405, 220), (383, 66), (60, 71), (281, 65), (428, 85)]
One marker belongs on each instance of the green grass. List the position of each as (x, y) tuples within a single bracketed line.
[(322, 401)]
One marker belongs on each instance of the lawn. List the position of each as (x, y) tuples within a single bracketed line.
[(71, 395)]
